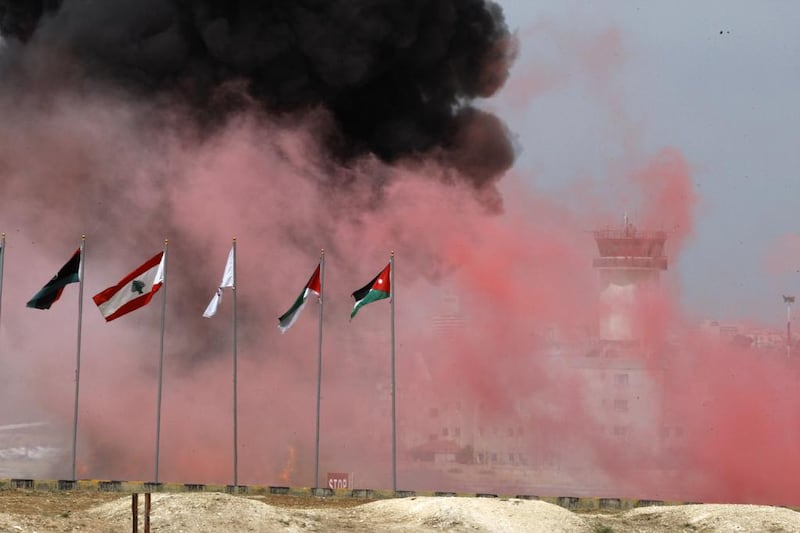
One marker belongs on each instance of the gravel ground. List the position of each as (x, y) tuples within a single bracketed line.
[(29, 511)]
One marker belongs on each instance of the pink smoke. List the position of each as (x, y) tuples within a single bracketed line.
[(514, 357)]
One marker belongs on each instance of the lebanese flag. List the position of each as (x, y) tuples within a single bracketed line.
[(377, 289), (133, 291), (314, 286)]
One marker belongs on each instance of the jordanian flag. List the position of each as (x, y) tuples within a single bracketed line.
[(51, 292), (377, 289), (133, 291), (314, 286)]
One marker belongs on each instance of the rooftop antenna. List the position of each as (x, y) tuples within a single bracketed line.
[(788, 300), (628, 227)]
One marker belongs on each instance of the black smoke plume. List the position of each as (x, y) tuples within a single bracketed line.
[(397, 76)]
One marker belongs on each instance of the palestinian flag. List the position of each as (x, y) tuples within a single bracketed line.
[(314, 286), (51, 292), (133, 291), (377, 289)]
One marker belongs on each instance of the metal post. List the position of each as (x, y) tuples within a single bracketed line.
[(788, 300), (789, 327), (160, 376), (235, 372), (78, 355), (135, 512), (319, 363), (2, 258), (394, 392), (146, 512)]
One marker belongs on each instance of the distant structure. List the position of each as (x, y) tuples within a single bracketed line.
[(449, 322), (468, 442), (628, 258), (788, 300)]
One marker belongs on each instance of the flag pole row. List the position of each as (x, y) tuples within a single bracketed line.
[(138, 287)]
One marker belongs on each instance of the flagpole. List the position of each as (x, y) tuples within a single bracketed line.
[(2, 257), (789, 300), (319, 362), (78, 353), (394, 424), (235, 399), (161, 357)]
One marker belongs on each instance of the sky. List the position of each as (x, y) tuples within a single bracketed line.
[(717, 81)]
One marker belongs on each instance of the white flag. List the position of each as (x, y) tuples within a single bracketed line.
[(211, 310), (227, 281)]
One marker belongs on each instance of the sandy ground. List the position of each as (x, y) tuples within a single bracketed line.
[(32, 511)]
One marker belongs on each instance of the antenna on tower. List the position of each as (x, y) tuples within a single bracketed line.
[(628, 228), (788, 300)]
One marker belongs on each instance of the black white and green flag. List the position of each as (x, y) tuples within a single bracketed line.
[(51, 292), (314, 286)]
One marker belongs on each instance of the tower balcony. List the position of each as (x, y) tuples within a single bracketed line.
[(638, 263)]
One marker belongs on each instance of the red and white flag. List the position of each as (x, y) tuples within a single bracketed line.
[(133, 291)]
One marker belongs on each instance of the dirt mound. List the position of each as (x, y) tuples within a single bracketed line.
[(220, 513), (173, 513), (716, 518), (471, 514), (208, 513), (223, 513)]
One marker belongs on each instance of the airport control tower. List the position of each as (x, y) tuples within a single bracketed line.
[(628, 258)]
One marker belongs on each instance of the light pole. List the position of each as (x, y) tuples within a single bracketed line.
[(788, 300)]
